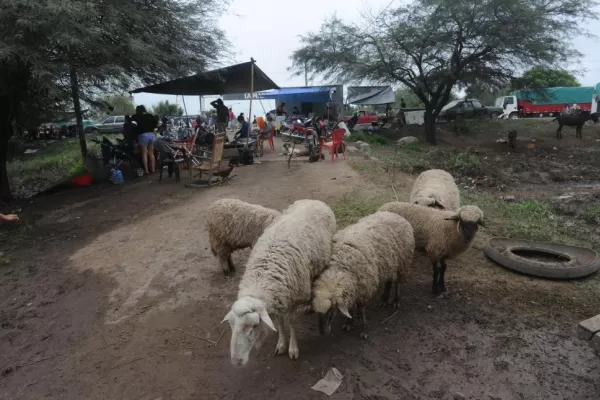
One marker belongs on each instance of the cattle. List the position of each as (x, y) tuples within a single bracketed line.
[(577, 120)]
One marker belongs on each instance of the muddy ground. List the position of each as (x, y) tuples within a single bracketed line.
[(109, 294)]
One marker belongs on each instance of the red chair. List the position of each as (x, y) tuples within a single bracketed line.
[(336, 143), (270, 139)]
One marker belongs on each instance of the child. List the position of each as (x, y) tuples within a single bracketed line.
[(9, 218)]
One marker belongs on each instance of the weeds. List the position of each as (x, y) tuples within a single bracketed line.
[(369, 138), (352, 207)]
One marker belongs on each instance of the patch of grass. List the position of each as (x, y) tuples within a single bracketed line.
[(373, 138), (14, 236), (467, 163), (352, 207), (591, 215), (52, 164)]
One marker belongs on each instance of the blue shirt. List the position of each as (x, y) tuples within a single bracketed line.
[(243, 133)]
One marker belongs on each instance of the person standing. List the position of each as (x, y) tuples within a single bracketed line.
[(146, 123), (222, 116), (280, 110), (231, 119)]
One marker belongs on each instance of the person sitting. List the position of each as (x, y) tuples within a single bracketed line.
[(244, 130), (295, 111), (270, 126)]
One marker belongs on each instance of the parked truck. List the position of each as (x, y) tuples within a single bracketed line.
[(544, 102)]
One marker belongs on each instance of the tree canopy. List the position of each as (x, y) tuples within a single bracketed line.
[(540, 77), (429, 46), (166, 108), (85, 49)]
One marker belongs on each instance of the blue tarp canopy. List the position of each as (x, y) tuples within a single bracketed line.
[(315, 94)]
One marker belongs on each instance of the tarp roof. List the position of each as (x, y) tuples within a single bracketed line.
[(370, 95), (233, 79), (307, 94), (557, 95)]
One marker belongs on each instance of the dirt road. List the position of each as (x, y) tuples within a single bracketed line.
[(117, 289)]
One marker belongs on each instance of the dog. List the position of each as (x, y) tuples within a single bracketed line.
[(512, 139)]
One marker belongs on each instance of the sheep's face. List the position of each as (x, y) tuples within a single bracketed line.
[(469, 218), (326, 313), (429, 202), (250, 324)]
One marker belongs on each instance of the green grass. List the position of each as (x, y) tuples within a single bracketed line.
[(369, 138), (56, 162), (352, 207)]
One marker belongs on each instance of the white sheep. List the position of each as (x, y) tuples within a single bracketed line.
[(282, 265), (377, 250), (233, 224), (440, 234), (436, 188)]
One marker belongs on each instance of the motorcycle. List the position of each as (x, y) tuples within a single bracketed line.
[(306, 133)]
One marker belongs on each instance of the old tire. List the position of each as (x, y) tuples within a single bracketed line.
[(494, 115), (553, 260), (514, 116)]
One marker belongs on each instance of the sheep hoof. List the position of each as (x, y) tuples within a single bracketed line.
[(293, 353), (364, 335), (346, 327), (281, 349), (395, 304)]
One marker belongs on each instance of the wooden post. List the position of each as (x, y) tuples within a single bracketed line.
[(252, 61)]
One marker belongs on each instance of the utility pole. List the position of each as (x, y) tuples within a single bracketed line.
[(305, 75)]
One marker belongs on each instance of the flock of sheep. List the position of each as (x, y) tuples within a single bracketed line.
[(299, 260)]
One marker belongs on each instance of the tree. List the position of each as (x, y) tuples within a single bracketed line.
[(410, 99), (87, 48), (120, 105), (541, 77), (166, 108), (429, 46)]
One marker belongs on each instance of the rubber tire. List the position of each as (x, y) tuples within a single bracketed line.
[(494, 115), (519, 264), (514, 115)]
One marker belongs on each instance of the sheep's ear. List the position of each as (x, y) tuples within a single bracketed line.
[(480, 223), (227, 317), (264, 317), (453, 218), (344, 311)]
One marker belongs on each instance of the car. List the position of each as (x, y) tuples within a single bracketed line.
[(111, 124), (469, 108), (89, 125)]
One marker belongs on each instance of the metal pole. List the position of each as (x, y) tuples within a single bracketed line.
[(252, 61), (305, 75), (200, 99)]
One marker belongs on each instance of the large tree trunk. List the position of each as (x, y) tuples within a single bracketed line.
[(6, 132), (77, 108), (430, 126)]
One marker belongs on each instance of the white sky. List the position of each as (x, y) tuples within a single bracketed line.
[(265, 30)]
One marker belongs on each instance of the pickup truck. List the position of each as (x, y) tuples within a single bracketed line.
[(363, 118), (469, 108)]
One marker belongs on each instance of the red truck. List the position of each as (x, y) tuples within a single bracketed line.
[(544, 102), (363, 118)]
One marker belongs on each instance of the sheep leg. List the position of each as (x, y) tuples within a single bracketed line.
[(365, 333), (397, 293), (441, 283), (293, 351), (386, 293), (436, 277), (349, 322), (281, 341)]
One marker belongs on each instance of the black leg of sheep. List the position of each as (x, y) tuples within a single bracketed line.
[(442, 283), (436, 277), (386, 294)]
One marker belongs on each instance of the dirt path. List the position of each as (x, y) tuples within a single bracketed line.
[(118, 288)]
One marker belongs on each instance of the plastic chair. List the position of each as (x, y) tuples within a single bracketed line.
[(336, 143), (270, 139)]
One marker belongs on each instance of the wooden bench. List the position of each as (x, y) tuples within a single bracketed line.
[(589, 330)]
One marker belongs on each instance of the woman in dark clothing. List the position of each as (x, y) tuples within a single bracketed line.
[(146, 123)]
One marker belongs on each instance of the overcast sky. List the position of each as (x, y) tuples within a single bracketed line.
[(265, 30)]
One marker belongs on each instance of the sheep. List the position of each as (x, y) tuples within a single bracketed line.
[(436, 189), (233, 225), (286, 258), (512, 139), (440, 234), (377, 249)]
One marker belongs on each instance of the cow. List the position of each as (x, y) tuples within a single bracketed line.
[(577, 120)]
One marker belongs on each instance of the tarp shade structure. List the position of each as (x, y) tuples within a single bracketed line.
[(233, 79), (314, 94), (557, 95), (370, 95)]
